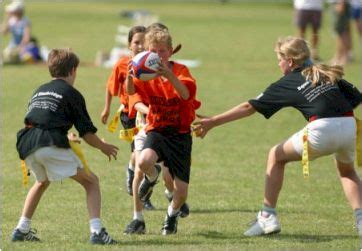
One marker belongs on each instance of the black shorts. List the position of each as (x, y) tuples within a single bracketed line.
[(174, 149), (128, 123)]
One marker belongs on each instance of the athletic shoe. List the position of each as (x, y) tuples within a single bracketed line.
[(135, 227), (264, 225), (103, 238), (184, 210), (17, 235), (169, 225), (146, 186), (129, 181), (148, 205)]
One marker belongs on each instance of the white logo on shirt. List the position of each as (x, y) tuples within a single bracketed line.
[(260, 95)]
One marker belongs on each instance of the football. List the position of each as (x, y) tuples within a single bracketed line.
[(145, 65)]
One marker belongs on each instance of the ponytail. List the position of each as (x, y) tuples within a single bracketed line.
[(322, 73)]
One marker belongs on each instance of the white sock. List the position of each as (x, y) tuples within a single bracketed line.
[(154, 175), (168, 194), (138, 216), (95, 225), (24, 224), (171, 211), (130, 166)]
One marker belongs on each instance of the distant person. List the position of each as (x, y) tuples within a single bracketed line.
[(23, 48), (309, 13), (341, 10), (327, 102), (53, 109), (356, 8)]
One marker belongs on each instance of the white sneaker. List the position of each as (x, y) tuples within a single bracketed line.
[(263, 226)]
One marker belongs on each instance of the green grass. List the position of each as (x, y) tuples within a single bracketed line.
[(235, 44)]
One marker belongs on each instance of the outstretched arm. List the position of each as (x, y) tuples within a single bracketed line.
[(240, 111), (108, 149)]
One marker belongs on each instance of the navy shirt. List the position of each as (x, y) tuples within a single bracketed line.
[(53, 109), (323, 101)]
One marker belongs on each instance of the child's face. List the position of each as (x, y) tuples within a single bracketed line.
[(162, 49), (137, 43)]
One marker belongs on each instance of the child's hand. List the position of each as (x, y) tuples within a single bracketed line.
[(164, 70), (109, 150), (74, 137), (130, 73), (105, 115)]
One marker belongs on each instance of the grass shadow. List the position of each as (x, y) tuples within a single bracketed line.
[(308, 238)]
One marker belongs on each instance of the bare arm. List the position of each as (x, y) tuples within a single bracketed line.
[(108, 149), (107, 105), (181, 89), (26, 36), (141, 107), (4, 25), (130, 88), (240, 111)]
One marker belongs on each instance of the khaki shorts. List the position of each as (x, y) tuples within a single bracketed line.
[(53, 163), (139, 140), (329, 136)]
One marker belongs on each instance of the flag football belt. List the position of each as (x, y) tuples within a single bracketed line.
[(305, 157), (76, 149)]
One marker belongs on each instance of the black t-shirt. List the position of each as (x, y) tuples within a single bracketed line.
[(53, 109), (324, 100)]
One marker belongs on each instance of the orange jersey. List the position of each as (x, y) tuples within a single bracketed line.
[(167, 108), (116, 81)]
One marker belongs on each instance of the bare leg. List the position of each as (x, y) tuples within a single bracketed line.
[(147, 161), (137, 204), (314, 44), (351, 184), (91, 186), (32, 199), (278, 156), (167, 179), (179, 194)]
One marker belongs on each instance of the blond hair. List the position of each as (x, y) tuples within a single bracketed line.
[(297, 49), (158, 36)]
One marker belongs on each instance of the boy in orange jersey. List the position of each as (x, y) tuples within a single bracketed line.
[(116, 87), (172, 105)]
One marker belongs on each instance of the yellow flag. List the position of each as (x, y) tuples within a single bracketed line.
[(113, 124), (305, 156), (78, 151), (25, 173)]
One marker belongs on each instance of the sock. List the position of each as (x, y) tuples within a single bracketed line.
[(138, 216), (154, 175), (24, 224), (266, 211), (358, 215), (95, 225), (171, 211), (168, 194), (130, 166)]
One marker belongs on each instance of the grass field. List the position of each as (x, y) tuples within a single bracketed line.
[(235, 44)]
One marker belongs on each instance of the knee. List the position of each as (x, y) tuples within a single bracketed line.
[(273, 156), (144, 164), (43, 185)]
